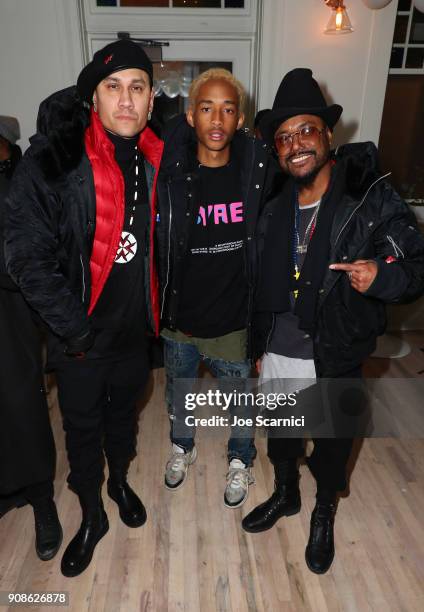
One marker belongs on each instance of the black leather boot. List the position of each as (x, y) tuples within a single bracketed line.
[(131, 509), (319, 552), (94, 526), (285, 500), (48, 530)]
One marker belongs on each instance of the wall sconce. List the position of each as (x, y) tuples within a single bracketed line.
[(339, 21)]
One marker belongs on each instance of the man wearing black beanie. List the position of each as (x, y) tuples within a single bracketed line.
[(79, 244)]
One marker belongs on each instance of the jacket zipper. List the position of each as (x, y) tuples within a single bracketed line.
[(247, 196), (169, 251), (360, 204), (83, 279), (398, 251), (248, 270)]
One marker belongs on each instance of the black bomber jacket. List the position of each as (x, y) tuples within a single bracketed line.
[(371, 221)]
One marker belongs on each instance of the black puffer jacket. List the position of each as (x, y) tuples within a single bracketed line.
[(178, 190), (371, 221)]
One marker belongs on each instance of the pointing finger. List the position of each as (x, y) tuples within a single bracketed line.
[(343, 267)]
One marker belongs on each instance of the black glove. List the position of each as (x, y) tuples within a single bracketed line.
[(77, 346)]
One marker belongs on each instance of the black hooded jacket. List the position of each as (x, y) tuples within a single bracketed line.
[(370, 221), (178, 190)]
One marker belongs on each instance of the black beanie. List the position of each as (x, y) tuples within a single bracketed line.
[(119, 55)]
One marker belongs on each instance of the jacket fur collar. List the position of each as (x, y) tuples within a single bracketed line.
[(58, 145)]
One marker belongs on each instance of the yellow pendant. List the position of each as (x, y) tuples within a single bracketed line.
[(296, 291)]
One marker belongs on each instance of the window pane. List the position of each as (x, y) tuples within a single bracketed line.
[(415, 58), (174, 3), (396, 57), (417, 27), (197, 3), (404, 5), (146, 3), (401, 28)]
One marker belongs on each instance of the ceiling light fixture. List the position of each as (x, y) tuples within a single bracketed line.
[(339, 21)]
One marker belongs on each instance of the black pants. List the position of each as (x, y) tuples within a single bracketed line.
[(327, 462), (32, 494), (38, 491), (330, 456), (98, 403)]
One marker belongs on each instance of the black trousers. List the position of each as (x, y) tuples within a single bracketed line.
[(327, 462), (98, 403), (32, 494), (330, 456)]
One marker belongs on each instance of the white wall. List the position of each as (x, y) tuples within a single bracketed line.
[(352, 67), (40, 52)]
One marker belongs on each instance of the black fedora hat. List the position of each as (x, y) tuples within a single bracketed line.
[(118, 55), (298, 94)]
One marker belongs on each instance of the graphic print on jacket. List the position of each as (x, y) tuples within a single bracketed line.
[(214, 288)]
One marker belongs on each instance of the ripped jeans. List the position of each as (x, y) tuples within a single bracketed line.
[(182, 360)]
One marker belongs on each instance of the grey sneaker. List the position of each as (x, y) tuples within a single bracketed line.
[(177, 466), (239, 478)]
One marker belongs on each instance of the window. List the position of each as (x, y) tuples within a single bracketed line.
[(196, 4), (408, 40), (162, 16)]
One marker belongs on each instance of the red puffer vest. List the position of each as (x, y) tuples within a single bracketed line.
[(110, 208)]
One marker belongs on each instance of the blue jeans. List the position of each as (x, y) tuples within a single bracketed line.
[(182, 360)]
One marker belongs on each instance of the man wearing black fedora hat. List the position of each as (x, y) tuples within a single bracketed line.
[(79, 244), (334, 246)]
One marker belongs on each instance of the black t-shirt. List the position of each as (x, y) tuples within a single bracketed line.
[(119, 316), (287, 339), (214, 289)]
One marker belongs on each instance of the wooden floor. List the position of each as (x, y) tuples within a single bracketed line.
[(192, 554)]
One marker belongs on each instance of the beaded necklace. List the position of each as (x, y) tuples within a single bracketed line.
[(297, 246), (136, 186), (127, 248)]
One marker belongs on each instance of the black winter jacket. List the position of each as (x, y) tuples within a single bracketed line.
[(25, 422), (50, 219), (178, 190), (371, 221), (50, 222)]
